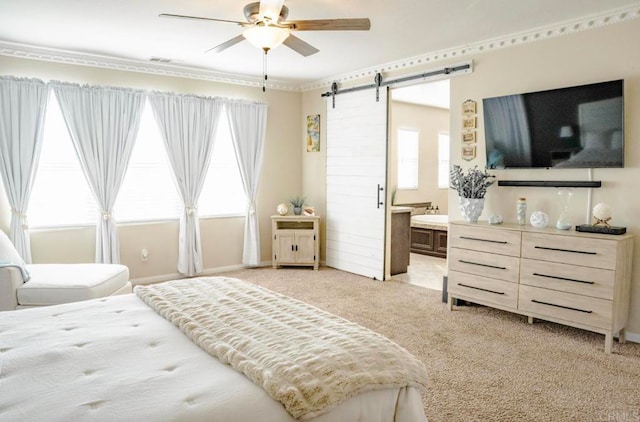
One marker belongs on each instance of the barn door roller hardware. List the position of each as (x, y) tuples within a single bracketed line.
[(378, 82)]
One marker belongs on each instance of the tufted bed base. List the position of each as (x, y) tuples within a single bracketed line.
[(117, 359)]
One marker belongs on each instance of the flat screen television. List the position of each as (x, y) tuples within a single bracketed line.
[(574, 127)]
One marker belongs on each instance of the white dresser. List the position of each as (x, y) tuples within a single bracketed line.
[(572, 278)]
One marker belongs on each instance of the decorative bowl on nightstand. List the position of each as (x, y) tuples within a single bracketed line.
[(283, 209)]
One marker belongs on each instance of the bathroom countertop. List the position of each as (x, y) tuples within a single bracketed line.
[(398, 209), (430, 221)]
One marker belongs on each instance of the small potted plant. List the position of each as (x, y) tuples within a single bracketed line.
[(297, 203), (471, 188)]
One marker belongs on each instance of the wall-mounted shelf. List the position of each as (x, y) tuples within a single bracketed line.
[(552, 183)]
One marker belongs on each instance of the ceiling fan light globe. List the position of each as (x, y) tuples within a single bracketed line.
[(265, 37)]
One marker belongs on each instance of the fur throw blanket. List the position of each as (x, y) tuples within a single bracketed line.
[(306, 358)]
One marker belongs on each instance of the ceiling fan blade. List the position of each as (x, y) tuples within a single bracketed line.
[(271, 9), (219, 48), (169, 15), (357, 24), (299, 46)]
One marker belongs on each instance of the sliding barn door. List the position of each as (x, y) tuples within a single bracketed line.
[(356, 183)]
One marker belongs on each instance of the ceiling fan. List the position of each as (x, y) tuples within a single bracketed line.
[(267, 27)]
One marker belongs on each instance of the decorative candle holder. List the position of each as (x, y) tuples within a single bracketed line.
[(564, 197)]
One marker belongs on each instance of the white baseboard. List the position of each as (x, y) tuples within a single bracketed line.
[(205, 272), (633, 337)]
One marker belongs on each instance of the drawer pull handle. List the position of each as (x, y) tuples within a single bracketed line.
[(503, 242), (565, 250), (480, 288), (564, 278), (482, 265), (561, 306)]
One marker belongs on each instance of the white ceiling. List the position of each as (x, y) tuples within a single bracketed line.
[(130, 31), (432, 94)]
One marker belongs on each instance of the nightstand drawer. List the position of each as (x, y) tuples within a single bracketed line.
[(588, 252), (484, 289), (485, 264), (585, 281), (503, 242), (566, 306)]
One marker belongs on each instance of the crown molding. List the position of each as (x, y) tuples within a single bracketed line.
[(25, 51), (406, 65), (537, 34)]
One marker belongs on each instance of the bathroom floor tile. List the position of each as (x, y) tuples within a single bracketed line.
[(425, 271)]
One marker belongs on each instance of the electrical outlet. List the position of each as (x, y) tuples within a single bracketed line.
[(144, 255)]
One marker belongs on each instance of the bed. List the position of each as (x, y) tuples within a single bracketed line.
[(601, 135), (168, 352)]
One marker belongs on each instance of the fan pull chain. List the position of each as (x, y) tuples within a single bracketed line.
[(264, 70)]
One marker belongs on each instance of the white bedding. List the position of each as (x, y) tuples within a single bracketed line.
[(116, 359), (594, 157)]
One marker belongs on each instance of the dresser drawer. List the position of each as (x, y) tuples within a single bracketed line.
[(503, 242), (484, 289), (485, 264), (566, 306), (585, 251), (585, 281)]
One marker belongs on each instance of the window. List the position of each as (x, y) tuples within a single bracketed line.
[(443, 160), (61, 195), (149, 191), (408, 153), (223, 193)]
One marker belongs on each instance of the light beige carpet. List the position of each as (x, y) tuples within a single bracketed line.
[(484, 364)]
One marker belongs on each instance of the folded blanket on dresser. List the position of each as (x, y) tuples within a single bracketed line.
[(307, 359)]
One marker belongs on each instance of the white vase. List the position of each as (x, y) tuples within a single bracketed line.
[(471, 208)]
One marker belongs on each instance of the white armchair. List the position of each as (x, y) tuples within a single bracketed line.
[(30, 285)]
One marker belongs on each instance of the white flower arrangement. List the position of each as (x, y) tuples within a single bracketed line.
[(474, 184)]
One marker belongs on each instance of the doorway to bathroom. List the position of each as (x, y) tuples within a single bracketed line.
[(418, 169)]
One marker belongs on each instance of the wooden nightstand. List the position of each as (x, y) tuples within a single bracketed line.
[(296, 240)]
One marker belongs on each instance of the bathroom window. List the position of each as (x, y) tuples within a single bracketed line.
[(443, 160), (408, 151)]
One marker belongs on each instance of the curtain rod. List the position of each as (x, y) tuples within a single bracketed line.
[(379, 82)]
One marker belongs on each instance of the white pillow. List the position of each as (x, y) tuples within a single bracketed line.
[(616, 139), (9, 255), (595, 140)]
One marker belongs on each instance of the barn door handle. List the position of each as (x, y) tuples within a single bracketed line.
[(380, 189)]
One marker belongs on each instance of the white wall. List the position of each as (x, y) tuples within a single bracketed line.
[(601, 54), (221, 238), (606, 53), (314, 168), (429, 121)]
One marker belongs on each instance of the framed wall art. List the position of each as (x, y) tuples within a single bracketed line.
[(469, 108), (313, 133), (468, 123), (469, 137), (468, 152)]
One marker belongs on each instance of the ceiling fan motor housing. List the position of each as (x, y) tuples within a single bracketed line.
[(271, 28), (252, 12)]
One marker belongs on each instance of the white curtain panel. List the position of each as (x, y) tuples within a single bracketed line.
[(188, 124), (248, 123), (103, 123), (22, 107), (510, 121)]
